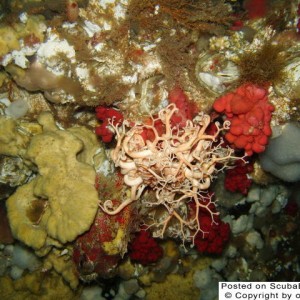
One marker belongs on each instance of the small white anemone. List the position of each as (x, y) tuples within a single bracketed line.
[(17, 109)]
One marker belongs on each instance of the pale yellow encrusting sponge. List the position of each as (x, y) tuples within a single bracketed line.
[(24, 212), (64, 185)]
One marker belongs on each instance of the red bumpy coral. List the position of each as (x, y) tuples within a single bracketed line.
[(237, 180), (187, 109), (107, 115), (249, 111), (215, 236), (144, 249)]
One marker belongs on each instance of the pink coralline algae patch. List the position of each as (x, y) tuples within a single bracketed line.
[(89, 253), (249, 112), (106, 114), (215, 234), (144, 249), (237, 179), (89, 256)]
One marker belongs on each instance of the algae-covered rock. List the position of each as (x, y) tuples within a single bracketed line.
[(8, 40), (13, 171), (36, 286), (174, 287), (62, 264), (3, 78), (60, 203), (30, 26)]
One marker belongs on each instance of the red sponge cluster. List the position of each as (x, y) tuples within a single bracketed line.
[(106, 114), (256, 8), (187, 109), (249, 111), (237, 180), (292, 208), (215, 235), (144, 249)]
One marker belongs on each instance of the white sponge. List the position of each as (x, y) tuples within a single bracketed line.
[(282, 156)]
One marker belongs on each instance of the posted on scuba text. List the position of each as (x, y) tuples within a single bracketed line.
[(259, 290)]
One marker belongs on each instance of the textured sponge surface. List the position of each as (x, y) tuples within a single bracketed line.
[(282, 156)]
